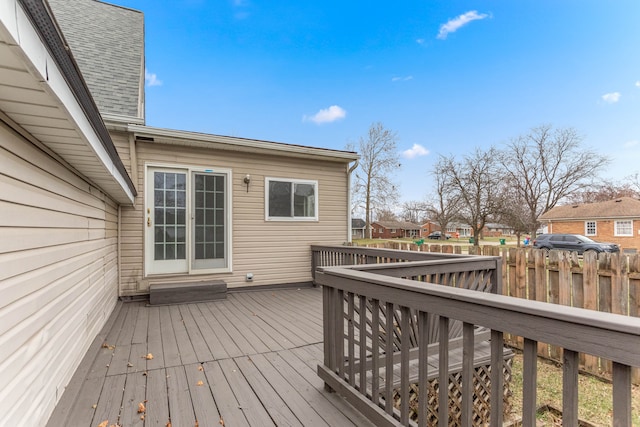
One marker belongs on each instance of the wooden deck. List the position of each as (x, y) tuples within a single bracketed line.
[(249, 360)]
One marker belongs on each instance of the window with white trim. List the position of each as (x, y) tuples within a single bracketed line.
[(623, 228), (291, 200), (590, 228)]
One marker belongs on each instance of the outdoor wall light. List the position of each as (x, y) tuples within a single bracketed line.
[(247, 180)]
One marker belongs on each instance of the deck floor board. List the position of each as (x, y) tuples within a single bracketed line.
[(250, 359)]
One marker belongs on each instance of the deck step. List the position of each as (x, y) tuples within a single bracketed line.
[(185, 292)]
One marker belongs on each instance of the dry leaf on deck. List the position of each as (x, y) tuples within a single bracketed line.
[(104, 423), (141, 408), (200, 368), (168, 424), (221, 421), (130, 365), (200, 383), (149, 356), (197, 425)]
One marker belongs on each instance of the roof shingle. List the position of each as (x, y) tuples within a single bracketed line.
[(623, 207), (107, 42)]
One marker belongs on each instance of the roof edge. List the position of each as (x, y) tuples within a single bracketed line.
[(179, 137)]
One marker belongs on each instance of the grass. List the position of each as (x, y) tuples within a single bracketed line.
[(594, 395)]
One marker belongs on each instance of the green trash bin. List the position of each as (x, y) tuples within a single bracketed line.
[(471, 240), (503, 241)]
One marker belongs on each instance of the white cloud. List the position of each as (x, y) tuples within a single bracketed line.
[(611, 98), (326, 115), (416, 151), (631, 144), (151, 79), (455, 24), (402, 79), (638, 83)]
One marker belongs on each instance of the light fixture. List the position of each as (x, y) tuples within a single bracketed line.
[(247, 180)]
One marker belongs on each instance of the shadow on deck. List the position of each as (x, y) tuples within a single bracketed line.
[(248, 360)]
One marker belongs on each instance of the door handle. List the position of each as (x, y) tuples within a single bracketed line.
[(148, 221)]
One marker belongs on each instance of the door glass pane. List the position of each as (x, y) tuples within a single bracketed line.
[(169, 214), (209, 216)]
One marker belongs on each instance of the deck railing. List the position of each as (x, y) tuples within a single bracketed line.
[(379, 322)]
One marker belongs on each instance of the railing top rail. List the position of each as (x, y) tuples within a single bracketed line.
[(606, 335), (391, 253), (451, 265)]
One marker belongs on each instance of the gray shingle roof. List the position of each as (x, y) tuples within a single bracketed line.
[(107, 42), (624, 207)]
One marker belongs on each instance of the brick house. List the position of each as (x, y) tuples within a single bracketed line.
[(616, 221), (394, 229)]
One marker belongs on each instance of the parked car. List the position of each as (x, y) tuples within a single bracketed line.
[(437, 235), (572, 242)]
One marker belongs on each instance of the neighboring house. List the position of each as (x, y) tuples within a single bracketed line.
[(394, 229), (496, 230), (358, 227), (616, 221), (95, 205), (428, 228)]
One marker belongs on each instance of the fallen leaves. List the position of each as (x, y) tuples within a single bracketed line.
[(149, 356), (105, 423), (141, 408), (221, 421), (200, 383), (110, 347), (200, 368)]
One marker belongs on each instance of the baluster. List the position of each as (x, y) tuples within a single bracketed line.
[(569, 388), (529, 381), (467, 373), (423, 368), (405, 336), (375, 350), (388, 374), (362, 320), (351, 339), (497, 377), (443, 373), (621, 395)]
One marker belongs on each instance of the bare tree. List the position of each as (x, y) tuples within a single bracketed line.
[(444, 205), (476, 180), (513, 212), (385, 215), (546, 166), (373, 185), (413, 211), (602, 192)]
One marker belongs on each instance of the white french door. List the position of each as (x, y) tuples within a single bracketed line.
[(187, 221)]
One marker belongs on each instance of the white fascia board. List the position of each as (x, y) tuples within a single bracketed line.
[(178, 137), (37, 59)]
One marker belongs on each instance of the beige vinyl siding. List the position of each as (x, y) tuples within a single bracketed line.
[(276, 252), (58, 276)]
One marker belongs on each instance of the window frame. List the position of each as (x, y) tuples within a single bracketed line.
[(586, 228), (293, 218), (617, 233)]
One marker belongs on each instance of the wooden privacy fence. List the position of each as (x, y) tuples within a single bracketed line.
[(604, 282)]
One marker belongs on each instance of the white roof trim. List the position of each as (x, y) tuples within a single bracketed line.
[(195, 139)]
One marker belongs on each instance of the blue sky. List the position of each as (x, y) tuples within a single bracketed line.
[(447, 76)]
